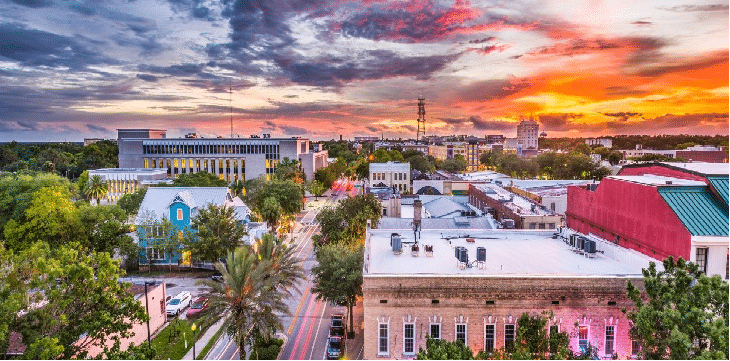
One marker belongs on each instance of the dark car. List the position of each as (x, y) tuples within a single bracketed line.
[(337, 325), (334, 347)]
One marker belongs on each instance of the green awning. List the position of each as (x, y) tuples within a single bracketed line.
[(698, 209)]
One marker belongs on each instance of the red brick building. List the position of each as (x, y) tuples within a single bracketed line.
[(659, 209)]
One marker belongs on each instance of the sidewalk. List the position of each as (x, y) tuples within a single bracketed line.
[(203, 341), (354, 348)]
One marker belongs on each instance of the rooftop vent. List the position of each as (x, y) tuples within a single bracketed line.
[(481, 254), (669, 182), (428, 249), (414, 250), (396, 243)]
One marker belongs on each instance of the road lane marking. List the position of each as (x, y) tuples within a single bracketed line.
[(309, 333), (296, 314), (220, 356), (319, 327), (299, 336)]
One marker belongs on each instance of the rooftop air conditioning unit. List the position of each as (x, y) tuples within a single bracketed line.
[(589, 247), (396, 243), (481, 254)]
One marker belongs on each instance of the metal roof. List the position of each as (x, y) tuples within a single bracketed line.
[(698, 210), (720, 184)]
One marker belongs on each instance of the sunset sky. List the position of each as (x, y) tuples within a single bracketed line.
[(320, 69)]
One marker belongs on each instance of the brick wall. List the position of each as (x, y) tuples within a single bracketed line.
[(477, 301)]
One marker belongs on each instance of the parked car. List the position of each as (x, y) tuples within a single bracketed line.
[(337, 325), (178, 303), (198, 306), (334, 347)]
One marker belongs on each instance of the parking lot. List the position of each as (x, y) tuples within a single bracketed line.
[(176, 283)]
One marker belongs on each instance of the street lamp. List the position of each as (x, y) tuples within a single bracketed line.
[(193, 328), (147, 306)]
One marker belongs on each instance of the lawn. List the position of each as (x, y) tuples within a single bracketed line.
[(170, 343)]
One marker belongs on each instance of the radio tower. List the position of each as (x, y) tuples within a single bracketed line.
[(421, 131), (230, 103)]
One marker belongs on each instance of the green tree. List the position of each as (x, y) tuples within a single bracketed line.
[(317, 189), (82, 183), (199, 179), (614, 157), (51, 217), (17, 192), (347, 221), (582, 148), (162, 236), (338, 274), (82, 303), (454, 165), (104, 228), (215, 231), (250, 294), (437, 349), (130, 202), (97, 188), (238, 188), (289, 195), (271, 212), (681, 314), (285, 267), (290, 169)]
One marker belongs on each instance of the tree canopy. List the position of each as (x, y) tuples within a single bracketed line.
[(438, 349), (347, 221), (79, 301), (338, 274), (682, 313), (215, 231)]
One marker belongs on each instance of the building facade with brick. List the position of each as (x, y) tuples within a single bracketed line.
[(408, 295), (661, 210), (512, 210)]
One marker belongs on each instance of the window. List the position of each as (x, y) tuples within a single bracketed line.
[(488, 338), (509, 335), (610, 336), (383, 339), (551, 225), (533, 225), (409, 338), (583, 339), (461, 332), (552, 206), (154, 254), (179, 214), (635, 348), (542, 225), (436, 331), (701, 259)]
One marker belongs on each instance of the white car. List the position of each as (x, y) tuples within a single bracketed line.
[(178, 303)]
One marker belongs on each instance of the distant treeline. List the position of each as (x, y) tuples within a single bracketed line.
[(647, 141), (66, 159)]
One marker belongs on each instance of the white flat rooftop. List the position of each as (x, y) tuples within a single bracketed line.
[(704, 168), (656, 180), (510, 253)]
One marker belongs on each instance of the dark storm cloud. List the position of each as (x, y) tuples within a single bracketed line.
[(695, 8), (692, 64), (96, 128), (147, 77), (32, 47), (380, 64), (33, 3), (558, 121), (219, 85), (481, 41), (476, 122), (83, 9), (14, 126), (185, 69), (490, 89)]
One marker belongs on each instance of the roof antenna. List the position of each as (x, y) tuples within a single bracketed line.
[(230, 103)]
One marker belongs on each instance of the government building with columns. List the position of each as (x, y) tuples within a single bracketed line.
[(229, 158)]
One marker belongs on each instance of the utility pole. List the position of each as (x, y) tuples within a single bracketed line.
[(421, 131)]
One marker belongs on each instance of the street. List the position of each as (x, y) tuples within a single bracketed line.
[(307, 328)]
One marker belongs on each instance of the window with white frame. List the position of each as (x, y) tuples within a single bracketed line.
[(635, 347), (435, 331), (383, 339), (409, 339), (489, 338), (509, 335), (154, 254), (583, 339), (610, 337), (461, 332), (179, 214), (701, 259)]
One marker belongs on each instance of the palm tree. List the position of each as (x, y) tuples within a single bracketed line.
[(97, 188), (251, 291), (285, 267)]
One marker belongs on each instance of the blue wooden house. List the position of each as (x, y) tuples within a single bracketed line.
[(179, 205)]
